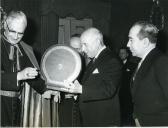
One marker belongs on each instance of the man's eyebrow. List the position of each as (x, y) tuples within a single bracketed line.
[(16, 32)]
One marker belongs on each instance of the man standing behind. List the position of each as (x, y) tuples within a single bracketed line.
[(68, 109), (18, 66), (125, 92), (150, 82), (99, 101), (75, 43)]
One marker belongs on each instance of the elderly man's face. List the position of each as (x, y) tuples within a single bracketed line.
[(90, 44), (135, 44), (14, 30)]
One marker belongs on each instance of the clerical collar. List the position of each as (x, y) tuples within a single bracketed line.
[(100, 51)]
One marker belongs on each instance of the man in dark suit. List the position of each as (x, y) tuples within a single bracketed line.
[(99, 101), (150, 81), (68, 109), (18, 68), (129, 67)]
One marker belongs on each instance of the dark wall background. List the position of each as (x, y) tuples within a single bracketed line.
[(112, 17)]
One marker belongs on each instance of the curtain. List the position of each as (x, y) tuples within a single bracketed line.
[(37, 111)]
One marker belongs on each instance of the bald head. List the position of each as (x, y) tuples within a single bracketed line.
[(75, 43), (92, 41), (92, 34), (17, 16)]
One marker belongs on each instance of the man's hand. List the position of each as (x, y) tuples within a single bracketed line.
[(47, 95), (27, 73), (70, 95), (75, 87)]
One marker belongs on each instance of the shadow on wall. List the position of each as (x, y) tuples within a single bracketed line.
[(38, 56), (30, 32), (30, 37), (108, 42), (162, 41)]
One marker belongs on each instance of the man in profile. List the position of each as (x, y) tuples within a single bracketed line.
[(99, 101), (150, 81)]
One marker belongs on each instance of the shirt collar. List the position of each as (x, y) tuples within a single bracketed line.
[(144, 56), (124, 61), (100, 51)]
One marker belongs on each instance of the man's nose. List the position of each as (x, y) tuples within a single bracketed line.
[(16, 36), (83, 48), (128, 44)]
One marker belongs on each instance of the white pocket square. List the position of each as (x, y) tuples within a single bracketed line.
[(95, 71)]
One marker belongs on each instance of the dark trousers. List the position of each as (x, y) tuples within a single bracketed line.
[(69, 113), (10, 111), (126, 107)]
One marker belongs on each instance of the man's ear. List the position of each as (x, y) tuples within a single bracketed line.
[(146, 42), (4, 25), (99, 41)]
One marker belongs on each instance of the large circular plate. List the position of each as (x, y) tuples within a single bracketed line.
[(60, 63)]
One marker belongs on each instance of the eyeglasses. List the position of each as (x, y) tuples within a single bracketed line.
[(20, 34)]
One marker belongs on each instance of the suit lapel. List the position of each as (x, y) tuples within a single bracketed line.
[(92, 65), (88, 71), (144, 68)]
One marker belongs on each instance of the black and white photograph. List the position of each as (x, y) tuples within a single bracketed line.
[(84, 63)]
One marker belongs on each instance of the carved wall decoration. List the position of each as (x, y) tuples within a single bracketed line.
[(157, 16)]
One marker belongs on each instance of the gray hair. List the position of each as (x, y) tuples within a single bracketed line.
[(17, 15), (97, 34), (147, 30)]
